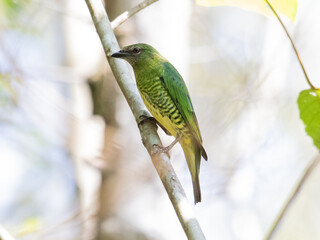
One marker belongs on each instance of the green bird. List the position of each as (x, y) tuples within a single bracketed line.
[(167, 98)]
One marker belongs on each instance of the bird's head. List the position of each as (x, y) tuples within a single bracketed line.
[(137, 53)]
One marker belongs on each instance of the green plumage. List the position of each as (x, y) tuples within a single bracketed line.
[(167, 98)]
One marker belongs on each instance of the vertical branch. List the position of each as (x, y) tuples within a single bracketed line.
[(307, 172), (148, 132)]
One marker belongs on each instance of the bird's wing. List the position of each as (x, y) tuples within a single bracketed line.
[(179, 93)]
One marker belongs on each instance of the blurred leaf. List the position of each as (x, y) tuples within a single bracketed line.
[(11, 4), (285, 7), (7, 93), (309, 106), (10, 8), (30, 225), (10, 11)]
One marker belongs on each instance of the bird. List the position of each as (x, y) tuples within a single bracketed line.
[(166, 96)]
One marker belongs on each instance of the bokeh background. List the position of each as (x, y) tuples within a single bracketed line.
[(72, 165)]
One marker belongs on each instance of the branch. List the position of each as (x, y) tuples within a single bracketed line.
[(292, 43), (129, 13), (147, 129), (4, 234), (307, 172)]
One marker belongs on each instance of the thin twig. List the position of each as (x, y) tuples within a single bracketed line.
[(129, 13), (305, 175), (55, 228), (292, 43), (183, 208)]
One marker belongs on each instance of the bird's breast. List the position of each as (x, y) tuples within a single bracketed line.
[(160, 104)]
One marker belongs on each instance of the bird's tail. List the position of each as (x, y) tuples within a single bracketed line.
[(192, 153)]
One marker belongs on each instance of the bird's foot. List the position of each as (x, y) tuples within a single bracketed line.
[(160, 149), (157, 149)]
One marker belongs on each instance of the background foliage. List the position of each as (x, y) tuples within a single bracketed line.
[(69, 174)]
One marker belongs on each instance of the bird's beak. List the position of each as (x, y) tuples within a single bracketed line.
[(120, 54)]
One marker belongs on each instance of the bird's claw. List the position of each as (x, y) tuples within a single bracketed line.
[(160, 149), (157, 149)]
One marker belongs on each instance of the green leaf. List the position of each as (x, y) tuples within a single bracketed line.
[(309, 106), (285, 7)]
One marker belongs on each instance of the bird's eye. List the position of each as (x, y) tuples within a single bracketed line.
[(136, 50)]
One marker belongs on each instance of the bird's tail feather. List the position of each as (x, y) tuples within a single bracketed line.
[(196, 190), (203, 153), (192, 153)]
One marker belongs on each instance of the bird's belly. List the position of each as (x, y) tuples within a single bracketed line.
[(166, 114)]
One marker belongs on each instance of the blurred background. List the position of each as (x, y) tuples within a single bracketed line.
[(72, 165)]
